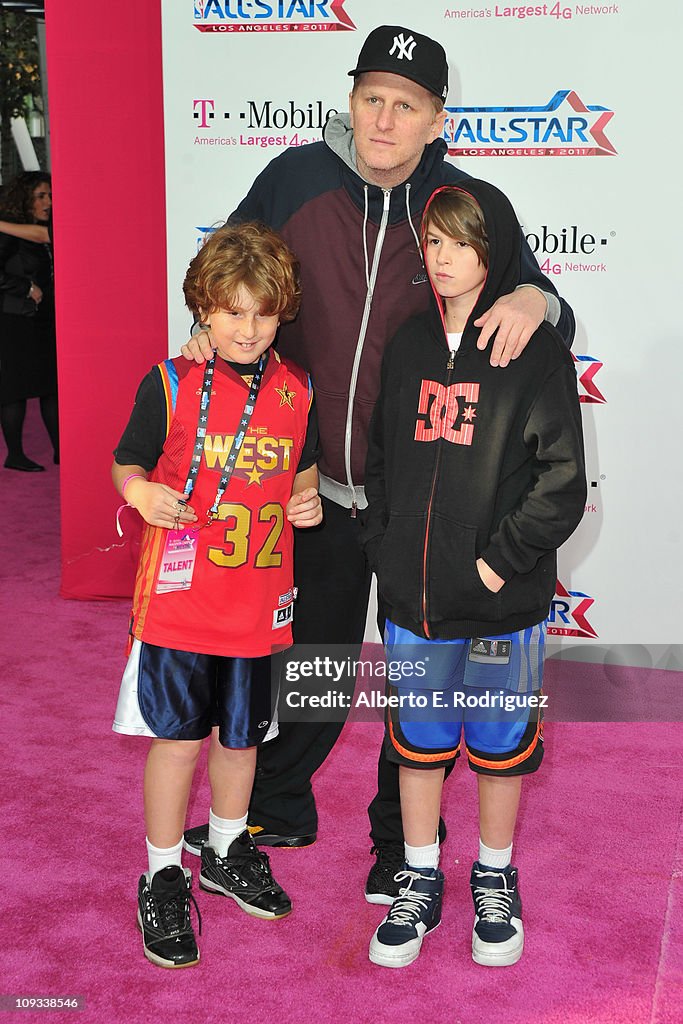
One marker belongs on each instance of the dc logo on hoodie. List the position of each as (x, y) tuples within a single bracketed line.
[(441, 414)]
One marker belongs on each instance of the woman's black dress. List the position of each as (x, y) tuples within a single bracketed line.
[(28, 355)]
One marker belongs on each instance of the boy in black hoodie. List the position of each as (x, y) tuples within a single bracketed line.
[(474, 478)]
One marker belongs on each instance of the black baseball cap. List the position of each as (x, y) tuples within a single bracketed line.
[(406, 53)]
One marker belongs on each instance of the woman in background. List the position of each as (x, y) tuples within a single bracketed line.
[(28, 359)]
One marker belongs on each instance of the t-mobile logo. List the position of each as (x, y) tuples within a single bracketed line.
[(405, 47)]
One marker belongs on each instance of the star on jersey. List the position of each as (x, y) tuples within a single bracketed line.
[(254, 477), (286, 396)]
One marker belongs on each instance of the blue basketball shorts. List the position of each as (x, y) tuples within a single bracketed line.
[(485, 690), (178, 695)]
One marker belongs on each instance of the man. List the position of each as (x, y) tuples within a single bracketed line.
[(349, 207)]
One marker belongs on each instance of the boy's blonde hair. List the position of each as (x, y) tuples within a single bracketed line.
[(458, 215), (244, 255)]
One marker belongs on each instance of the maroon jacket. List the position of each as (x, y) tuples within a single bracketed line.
[(362, 276)]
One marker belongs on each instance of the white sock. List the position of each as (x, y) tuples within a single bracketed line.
[(495, 858), (422, 856), (222, 831), (159, 858)]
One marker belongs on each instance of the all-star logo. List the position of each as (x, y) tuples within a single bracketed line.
[(586, 369), (565, 126), (568, 614), (277, 16), (403, 48), (286, 396)]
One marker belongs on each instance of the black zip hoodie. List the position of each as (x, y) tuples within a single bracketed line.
[(467, 460)]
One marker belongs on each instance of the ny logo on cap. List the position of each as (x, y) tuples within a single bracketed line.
[(405, 47)]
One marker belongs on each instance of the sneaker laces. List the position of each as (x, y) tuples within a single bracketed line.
[(255, 866), (408, 906), (173, 911), (493, 905)]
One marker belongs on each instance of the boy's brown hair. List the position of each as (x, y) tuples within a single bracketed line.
[(458, 215), (249, 255)]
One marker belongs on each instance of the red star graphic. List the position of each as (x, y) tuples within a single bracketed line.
[(469, 413)]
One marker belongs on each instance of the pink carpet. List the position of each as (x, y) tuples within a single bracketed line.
[(599, 849)]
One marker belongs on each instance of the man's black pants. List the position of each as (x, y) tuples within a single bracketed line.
[(334, 588)]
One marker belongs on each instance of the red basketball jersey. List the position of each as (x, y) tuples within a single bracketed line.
[(240, 602)]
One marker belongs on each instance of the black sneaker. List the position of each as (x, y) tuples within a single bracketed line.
[(195, 838), (164, 918), (262, 837), (245, 876), (416, 912), (498, 934), (381, 886)]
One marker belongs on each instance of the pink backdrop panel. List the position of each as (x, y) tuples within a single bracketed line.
[(106, 113)]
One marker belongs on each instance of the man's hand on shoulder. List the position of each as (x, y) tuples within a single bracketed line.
[(515, 317), (198, 348)]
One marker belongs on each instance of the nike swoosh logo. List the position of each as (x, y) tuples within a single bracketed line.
[(420, 278)]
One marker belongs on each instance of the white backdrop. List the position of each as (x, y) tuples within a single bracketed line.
[(588, 87)]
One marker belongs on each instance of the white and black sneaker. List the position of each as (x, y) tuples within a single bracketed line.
[(245, 876), (498, 934), (416, 911), (164, 917)]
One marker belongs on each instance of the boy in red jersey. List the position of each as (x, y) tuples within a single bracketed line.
[(220, 461)]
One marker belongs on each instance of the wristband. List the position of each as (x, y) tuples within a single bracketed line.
[(120, 509), (125, 483), (119, 528)]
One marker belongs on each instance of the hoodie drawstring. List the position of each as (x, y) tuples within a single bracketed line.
[(412, 226), (365, 238), (371, 277)]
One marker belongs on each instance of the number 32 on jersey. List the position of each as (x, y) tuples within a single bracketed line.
[(237, 536)]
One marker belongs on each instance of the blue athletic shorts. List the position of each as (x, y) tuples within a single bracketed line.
[(177, 695), (485, 688)]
